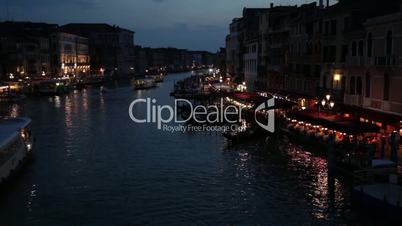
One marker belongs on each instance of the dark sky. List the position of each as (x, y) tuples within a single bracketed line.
[(191, 24)]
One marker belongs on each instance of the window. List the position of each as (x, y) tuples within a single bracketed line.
[(254, 48), (326, 28), (361, 47), (352, 85), (369, 45), (317, 71), (354, 49), (309, 48), (368, 85), (386, 87), (306, 70), (359, 86), (332, 54), (344, 53), (333, 27), (320, 27), (343, 83), (346, 24), (297, 68), (389, 43)]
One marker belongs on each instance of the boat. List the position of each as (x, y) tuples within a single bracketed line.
[(49, 87), (92, 80), (11, 92), (157, 78), (144, 83), (239, 136), (245, 132), (16, 144), (380, 198)]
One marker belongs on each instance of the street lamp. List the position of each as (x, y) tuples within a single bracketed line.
[(244, 87), (327, 102), (323, 103)]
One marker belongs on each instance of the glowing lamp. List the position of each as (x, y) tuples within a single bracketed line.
[(337, 77)]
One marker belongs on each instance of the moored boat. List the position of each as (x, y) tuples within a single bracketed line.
[(16, 144), (384, 199), (144, 83), (49, 87), (157, 78)]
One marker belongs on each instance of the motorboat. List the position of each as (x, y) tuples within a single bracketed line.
[(383, 198), (144, 83), (50, 87), (16, 145), (157, 78)]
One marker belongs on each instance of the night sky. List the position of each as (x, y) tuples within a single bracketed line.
[(191, 24)]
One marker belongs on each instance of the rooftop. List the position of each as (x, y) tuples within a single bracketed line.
[(92, 27)]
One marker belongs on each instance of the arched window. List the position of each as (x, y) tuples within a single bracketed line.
[(354, 48), (352, 86), (386, 86), (359, 86), (368, 85), (389, 43), (369, 45), (343, 83)]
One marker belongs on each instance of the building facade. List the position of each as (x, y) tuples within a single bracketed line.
[(70, 54), (25, 49), (111, 48), (234, 49), (350, 50), (375, 66)]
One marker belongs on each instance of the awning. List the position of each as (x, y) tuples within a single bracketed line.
[(337, 123), (390, 119), (249, 97)]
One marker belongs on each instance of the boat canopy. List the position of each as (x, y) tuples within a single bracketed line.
[(257, 99), (337, 123), (10, 128), (390, 119), (249, 97)]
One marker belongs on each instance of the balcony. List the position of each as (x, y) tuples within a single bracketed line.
[(355, 100), (387, 60)]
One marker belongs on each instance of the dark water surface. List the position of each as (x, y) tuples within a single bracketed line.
[(94, 166)]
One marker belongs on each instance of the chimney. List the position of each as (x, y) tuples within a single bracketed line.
[(321, 4), (327, 3), (272, 5)]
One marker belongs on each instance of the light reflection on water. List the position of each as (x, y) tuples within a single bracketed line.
[(316, 167), (93, 166)]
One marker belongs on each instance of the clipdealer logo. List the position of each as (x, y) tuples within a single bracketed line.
[(270, 124), (164, 115)]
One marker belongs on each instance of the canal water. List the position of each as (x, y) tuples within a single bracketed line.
[(94, 166)]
